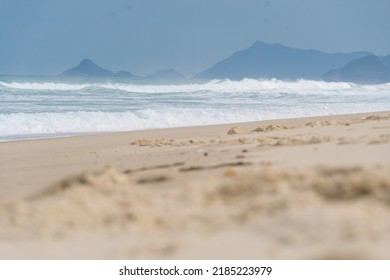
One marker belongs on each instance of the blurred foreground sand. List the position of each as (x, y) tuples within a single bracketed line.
[(310, 188)]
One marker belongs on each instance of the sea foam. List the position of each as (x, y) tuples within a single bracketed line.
[(245, 85), (49, 108)]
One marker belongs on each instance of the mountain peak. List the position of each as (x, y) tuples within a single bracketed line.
[(369, 59), (368, 69), (259, 43), (262, 44), (87, 61), (88, 68)]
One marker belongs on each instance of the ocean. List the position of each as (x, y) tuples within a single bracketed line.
[(38, 108)]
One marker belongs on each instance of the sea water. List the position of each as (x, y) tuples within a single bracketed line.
[(39, 108)]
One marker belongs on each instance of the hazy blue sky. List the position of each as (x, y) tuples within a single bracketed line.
[(143, 36)]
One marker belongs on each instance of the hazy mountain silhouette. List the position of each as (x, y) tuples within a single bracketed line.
[(87, 68), (369, 69), (386, 61), (166, 75), (263, 60), (123, 74)]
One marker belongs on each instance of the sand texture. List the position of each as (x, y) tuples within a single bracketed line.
[(309, 188)]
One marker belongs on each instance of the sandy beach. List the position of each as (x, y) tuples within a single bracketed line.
[(308, 188)]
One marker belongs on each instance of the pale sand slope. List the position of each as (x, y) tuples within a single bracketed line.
[(309, 188)]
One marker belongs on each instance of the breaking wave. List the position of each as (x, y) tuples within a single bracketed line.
[(48, 109), (42, 86), (68, 123), (245, 85)]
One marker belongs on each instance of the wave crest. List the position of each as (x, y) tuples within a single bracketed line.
[(245, 85)]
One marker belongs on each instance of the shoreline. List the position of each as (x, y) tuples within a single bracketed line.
[(23, 138), (302, 188)]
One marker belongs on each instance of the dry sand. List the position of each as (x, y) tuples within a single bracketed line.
[(310, 188)]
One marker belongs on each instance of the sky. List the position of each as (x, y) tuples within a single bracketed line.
[(46, 37)]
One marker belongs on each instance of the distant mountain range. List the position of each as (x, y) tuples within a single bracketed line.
[(263, 60), (88, 69)]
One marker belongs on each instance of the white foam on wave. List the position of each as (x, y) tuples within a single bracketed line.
[(245, 85), (24, 124), (84, 122), (43, 86), (215, 102)]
